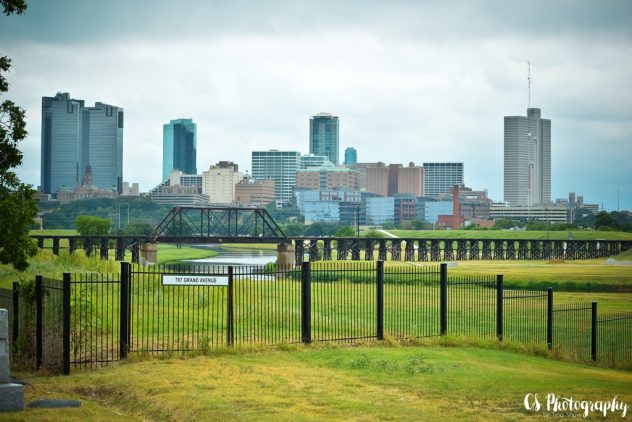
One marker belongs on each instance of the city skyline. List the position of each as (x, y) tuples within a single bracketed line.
[(426, 82)]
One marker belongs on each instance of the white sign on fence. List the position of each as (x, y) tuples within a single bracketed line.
[(194, 280)]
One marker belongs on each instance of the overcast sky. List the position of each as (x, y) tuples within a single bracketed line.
[(410, 80)]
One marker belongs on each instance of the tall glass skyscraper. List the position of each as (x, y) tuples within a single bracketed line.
[(323, 136), (103, 135), (527, 159), (75, 137), (351, 156), (179, 147)]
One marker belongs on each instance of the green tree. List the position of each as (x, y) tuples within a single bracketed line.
[(293, 229), (605, 220), (17, 203), (345, 231), (321, 229), (92, 226), (138, 229)]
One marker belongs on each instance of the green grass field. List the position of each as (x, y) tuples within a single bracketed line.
[(511, 234), (367, 383)]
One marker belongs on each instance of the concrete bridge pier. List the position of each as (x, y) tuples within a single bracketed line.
[(148, 254), (285, 256)]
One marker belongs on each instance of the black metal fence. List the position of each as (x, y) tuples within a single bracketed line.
[(574, 327), (614, 338), (89, 320), (49, 324), (525, 315)]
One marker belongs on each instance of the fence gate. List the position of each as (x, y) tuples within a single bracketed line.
[(178, 308)]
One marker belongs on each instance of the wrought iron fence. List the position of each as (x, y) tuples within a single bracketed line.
[(614, 339), (471, 306), (49, 325), (93, 319), (573, 330), (412, 301), (525, 317)]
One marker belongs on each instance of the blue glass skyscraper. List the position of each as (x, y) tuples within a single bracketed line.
[(351, 156), (179, 147), (323, 136), (75, 137)]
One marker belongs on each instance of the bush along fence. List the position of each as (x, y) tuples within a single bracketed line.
[(89, 320)]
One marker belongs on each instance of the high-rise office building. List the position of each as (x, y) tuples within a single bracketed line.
[(351, 156), (323, 136), (218, 183), (395, 179), (103, 135), (527, 159), (280, 166), (179, 147), (440, 178), (75, 137)]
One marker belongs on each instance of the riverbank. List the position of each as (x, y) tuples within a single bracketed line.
[(53, 266)]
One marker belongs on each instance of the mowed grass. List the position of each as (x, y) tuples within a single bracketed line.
[(581, 275), (367, 383), (511, 234)]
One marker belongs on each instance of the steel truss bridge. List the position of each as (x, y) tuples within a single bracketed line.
[(209, 225)]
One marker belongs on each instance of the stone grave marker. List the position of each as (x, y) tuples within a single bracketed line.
[(11, 394)]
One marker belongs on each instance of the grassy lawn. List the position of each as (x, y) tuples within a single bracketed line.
[(54, 232), (511, 234), (368, 383), (580, 275)]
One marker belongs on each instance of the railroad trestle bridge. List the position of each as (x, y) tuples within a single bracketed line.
[(357, 249), (226, 225)]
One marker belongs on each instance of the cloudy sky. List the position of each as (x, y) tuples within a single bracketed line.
[(410, 80)]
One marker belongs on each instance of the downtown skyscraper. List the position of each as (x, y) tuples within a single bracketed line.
[(280, 166), (75, 137), (179, 147), (527, 159), (323, 136), (440, 178)]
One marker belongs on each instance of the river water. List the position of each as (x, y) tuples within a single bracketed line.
[(229, 256)]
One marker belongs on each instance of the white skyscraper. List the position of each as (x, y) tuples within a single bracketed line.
[(280, 166), (527, 159)]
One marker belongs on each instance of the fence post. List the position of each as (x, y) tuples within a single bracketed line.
[(499, 307), (16, 310), (593, 337), (229, 309), (124, 311), (380, 300), (549, 318), (443, 299), (38, 321), (66, 323), (306, 302)]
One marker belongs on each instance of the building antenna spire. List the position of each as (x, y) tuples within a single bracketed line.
[(529, 83)]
